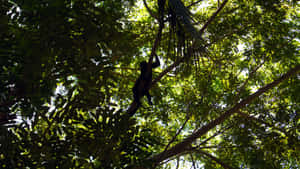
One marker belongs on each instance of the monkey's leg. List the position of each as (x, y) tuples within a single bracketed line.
[(149, 97)]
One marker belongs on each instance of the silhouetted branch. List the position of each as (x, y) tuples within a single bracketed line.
[(214, 135), (213, 16), (215, 159), (149, 10), (178, 132), (252, 118), (192, 4)]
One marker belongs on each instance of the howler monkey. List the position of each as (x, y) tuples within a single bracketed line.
[(143, 83)]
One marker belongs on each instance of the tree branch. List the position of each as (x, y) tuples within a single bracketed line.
[(215, 159), (149, 10), (180, 147), (242, 88), (157, 41), (214, 135), (177, 133), (194, 3), (193, 161), (252, 118), (212, 17)]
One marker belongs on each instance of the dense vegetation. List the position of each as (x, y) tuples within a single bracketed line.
[(226, 95)]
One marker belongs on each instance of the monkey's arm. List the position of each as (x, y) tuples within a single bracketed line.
[(156, 63)]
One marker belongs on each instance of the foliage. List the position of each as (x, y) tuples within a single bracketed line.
[(68, 66)]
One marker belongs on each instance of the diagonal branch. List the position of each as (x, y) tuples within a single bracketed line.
[(194, 3), (181, 147), (214, 135), (177, 133), (150, 11), (213, 17), (242, 88), (193, 161)]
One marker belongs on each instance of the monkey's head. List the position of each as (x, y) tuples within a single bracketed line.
[(143, 64)]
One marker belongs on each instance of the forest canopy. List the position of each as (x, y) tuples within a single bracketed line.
[(226, 94)]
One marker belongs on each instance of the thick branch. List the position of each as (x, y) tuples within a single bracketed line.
[(180, 147)]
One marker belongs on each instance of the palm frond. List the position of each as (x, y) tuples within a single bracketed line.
[(184, 16)]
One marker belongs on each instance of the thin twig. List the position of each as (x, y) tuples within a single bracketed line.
[(149, 10), (244, 115), (215, 159), (251, 74), (178, 160), (193, 161), (217, 133), (211, 147), (194, 3), (178, 132), (213, 17)]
